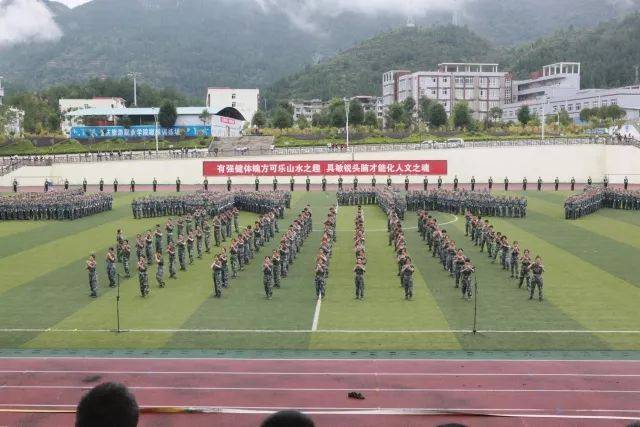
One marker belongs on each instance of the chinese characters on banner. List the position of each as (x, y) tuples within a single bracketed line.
[(329, 168)]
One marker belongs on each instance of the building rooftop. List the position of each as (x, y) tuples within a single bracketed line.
[(182, 111)]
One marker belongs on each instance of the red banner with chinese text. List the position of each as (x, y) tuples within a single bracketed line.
[(323, 167)]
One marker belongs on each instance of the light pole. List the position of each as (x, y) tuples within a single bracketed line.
[(135, 75), (543, 119), (346, 110), (156, 132)]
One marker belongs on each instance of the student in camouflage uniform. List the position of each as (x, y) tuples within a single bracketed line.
[(126, 256), (171, 250), (407, 279), (93, 276), (267, 277), (537, 281), (111, 267), (160, 271), (216, 268), (143, 279)]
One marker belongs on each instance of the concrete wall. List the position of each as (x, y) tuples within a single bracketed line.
[(579, 161)]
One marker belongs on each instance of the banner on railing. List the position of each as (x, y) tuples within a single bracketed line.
[(330, 168)]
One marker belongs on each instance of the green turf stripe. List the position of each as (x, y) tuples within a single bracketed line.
[(384, 307), (164, 309), (501, 305), (49, 231), (610, 255), (9, 229), (592, 296), (623, 216), (595, 223), (244, 305)]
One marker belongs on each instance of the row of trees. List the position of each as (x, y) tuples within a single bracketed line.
[(597, 115), (399, 115), (41, 109)]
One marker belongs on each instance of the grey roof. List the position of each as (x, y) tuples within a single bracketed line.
[(182, 111)]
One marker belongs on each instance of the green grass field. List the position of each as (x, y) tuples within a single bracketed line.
[(592, 290)]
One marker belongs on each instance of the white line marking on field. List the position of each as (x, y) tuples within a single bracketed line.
[(316, 315), (327, 331), (319, 389), (333, 374), (498, 412), (320, 359)]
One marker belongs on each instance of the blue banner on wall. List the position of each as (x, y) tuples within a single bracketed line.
[(97, 132)]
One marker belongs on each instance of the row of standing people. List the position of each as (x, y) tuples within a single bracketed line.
[(150, 249), (276, 266), (482, 234), (405, 265), (458, 202), (242, 250), (323, 257), (359, 248), (441, 246), (54, 205), (594, 198)]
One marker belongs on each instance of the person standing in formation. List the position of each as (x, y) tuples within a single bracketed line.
[(93, 276)]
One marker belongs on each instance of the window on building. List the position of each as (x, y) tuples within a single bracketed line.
[(433, 80), (444, 92), (445, 80), (233, 104), (233, 96), (433, 92), (578, 106), (555, 108), (614, 102), (468, 80), (604, 103)]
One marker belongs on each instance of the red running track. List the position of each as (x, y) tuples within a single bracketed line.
[(398, 392)]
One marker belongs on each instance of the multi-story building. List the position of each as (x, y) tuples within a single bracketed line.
[(371, 103), (557, 88), (1, 91), (480, 85), (307, 108), (68, 105), (246, 101)]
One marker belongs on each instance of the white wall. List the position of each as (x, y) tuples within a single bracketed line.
[(548, 162)]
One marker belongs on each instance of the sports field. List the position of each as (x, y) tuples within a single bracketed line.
[(592, 289)]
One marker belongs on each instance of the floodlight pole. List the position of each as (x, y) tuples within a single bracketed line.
[(118, 306), (346, 110), (135, 87), (543, 118), (156, 132), (475, 305)]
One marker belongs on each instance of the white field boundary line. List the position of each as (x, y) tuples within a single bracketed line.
[(327, 331), (499, 412), (316, 315), (334, 374), (322, 389)]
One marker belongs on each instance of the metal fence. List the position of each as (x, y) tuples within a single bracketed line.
[(10, 163)]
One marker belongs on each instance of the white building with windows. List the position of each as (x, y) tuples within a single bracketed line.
[(307, 108), (67, 105), (246, 101), (557, 88), (482, 86)]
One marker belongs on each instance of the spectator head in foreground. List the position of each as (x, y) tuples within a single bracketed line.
[(107, 405), (288, 419)]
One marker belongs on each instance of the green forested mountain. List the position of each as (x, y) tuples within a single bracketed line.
[(186, 44), (608, 54), (192, 44), (510, 22), (359, 70)]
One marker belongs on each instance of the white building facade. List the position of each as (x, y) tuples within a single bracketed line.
[(557, 88), (481, 86), (246, 101), (67, 105), (307, 108)]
